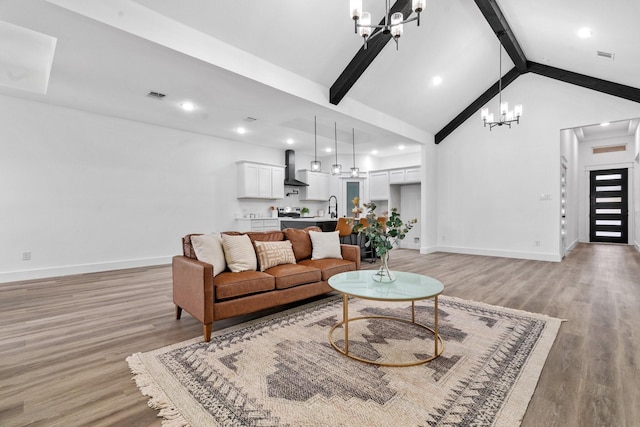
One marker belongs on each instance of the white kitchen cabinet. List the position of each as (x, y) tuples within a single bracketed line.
[(318, 188), (260, 181), (257, 224), (379, 185), (404, 176)]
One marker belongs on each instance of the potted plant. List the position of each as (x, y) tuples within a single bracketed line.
[(383, 236), (304, 211)]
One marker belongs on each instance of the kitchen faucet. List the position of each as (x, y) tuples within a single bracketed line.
[(333, 214)]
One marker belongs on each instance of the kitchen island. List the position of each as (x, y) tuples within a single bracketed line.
[(325, 223)]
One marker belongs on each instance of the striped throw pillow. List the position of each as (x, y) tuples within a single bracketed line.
[(271, 254), (239, 253)]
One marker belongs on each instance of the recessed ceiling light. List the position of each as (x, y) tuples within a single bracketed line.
[(374, 151), (241, 130), (605, 124), (584, 32), (289, 141), (436, 80), (188, 106), (400, 147), (328, 149)]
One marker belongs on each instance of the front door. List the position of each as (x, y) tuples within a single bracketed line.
[(609, 205)]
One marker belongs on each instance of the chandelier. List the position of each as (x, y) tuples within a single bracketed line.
[(393, 23), (506, 116)]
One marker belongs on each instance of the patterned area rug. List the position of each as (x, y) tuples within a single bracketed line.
[(282, 371)]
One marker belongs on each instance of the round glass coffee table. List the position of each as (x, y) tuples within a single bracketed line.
[(407, 287)]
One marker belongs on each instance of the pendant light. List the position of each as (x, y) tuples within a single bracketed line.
[(316, 165), (506, 116), (336, 169), (355, 172)]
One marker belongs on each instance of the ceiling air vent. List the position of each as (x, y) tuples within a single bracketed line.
[(605, 55), (156, 95), (249, 119)]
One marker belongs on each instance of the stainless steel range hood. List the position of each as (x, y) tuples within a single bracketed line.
[(290, 170)]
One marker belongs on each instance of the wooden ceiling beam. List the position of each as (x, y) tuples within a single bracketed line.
[(604, 86), (365, 57), (475, 106), (500, 27)]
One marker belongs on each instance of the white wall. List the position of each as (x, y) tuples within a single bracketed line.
[(636, 189), (569, 155), (84, 192), (429, 198), (489, 183)]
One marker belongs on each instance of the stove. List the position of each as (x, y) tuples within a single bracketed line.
[(289, 212)]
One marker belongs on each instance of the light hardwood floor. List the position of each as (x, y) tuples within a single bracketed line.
[(63, 341)]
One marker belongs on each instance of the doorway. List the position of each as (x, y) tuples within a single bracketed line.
[(609, 206)]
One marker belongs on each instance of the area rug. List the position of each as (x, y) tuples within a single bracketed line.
[(282, 370)]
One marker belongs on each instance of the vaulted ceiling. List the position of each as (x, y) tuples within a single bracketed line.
[(278, 60)]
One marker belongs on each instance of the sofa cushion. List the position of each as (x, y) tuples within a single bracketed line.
[(265, 236), (300, 241), (290, 275), (239, 253), (208, 248), (325, 245), (271, 254), (329, 266), (232, 285)]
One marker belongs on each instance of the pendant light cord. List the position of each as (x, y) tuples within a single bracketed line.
[(315, 138), (335, 137)]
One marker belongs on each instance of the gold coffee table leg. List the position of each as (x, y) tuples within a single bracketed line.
[(345, 324)]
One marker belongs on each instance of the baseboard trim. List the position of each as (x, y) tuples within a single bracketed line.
[(536, 256), (424, 250), (43, 273)]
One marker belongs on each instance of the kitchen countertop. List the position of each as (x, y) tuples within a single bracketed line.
[(309, 219)]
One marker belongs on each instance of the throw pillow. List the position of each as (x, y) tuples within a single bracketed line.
[(271, 254), (300, 241), (325, 245), (208, 248), (239, 253)]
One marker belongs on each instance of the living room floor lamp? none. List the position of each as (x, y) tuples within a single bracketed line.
[(316, 165), (506, 116), (336, 169), (393, 22)]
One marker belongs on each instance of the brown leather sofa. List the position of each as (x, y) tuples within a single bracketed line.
[(209, 298)]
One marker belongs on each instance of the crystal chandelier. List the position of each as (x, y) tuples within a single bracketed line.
[(393, 23), (506, 116)]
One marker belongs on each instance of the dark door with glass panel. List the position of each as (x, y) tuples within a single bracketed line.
[(609, 206)]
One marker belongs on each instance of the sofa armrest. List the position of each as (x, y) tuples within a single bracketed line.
[(351, 253), (193, 287)]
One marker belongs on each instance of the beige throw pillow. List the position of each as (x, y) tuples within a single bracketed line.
[(271, 254), (325, 245), (208, 248), (239, 253)]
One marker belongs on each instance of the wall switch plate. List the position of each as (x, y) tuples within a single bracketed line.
[(545, 196), (26, 256)]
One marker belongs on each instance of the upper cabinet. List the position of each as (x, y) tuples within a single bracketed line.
[(404, 176), (260, 181), (379, 185), (318, 188)]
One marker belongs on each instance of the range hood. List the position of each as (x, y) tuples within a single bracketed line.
[(290, 170)]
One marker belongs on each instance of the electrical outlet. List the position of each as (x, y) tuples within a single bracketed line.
[(416, 240), (537, 242), (444, 238), (26, 256)]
